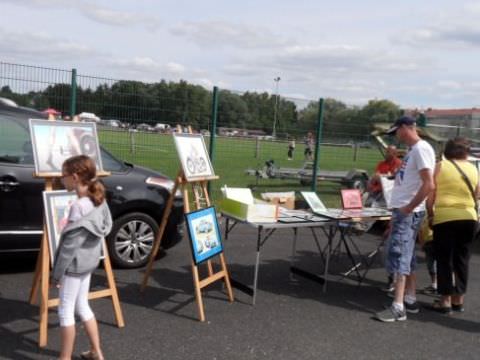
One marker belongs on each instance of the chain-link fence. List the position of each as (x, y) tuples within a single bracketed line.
[(262, 140)]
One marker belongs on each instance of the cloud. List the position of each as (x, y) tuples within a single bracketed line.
[(309, 63), (40, 46), (459, 36), (90, 10), (118, 18), (148, 69), (223, 34)]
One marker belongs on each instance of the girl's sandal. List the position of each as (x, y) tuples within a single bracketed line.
[(90, 355)]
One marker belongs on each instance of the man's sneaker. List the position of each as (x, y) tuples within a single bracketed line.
[(391, 314), (413, 308)]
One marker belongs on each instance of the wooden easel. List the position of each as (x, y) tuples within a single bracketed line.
[(201, 200), (42, 278)]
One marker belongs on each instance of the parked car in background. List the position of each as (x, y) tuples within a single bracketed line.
[(144, 127), (113, 123), (86, 116), (136, 196), (159, 127)]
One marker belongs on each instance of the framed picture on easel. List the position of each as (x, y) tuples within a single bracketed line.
[(55, 141), (57, 205), (204, 233), (193, 156)]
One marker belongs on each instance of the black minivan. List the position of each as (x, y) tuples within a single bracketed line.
[(136, 196)]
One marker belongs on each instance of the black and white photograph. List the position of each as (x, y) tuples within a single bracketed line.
[(55, 141), (193, 156)]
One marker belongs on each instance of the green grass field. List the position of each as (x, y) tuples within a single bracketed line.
[(234, 155)]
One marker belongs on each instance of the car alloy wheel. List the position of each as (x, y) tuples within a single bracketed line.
[(131, 240)]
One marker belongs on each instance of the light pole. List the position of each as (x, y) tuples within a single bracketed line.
[(275, 110)]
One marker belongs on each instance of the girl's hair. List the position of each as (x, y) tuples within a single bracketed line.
[(86, 171), (457, 148)]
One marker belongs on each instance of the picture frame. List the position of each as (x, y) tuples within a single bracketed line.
[(313, 201), (57, 205), (204, 234), (55, 141), (351, 199), (193, 156)]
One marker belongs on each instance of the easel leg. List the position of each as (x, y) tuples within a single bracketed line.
[(43, 335), (226, 278), (113, 288), (38, 271), (210, 268), (198, 292)]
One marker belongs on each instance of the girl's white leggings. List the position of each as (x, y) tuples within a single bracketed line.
[(73, 296)]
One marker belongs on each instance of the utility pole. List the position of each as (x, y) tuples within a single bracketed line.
[(275, 110)]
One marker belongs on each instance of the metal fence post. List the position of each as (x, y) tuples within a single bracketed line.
[(257, 147), (213, 132), (317, 144), (132, 141), (73, 94)]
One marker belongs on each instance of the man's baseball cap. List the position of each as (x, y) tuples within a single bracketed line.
[(404, 120)]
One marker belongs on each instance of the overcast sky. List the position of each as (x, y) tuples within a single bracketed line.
[(417, 53)]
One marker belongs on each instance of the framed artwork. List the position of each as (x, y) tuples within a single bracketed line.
[(55, 141), (313, 201), (204, 234), (351, 199), (57, 205), (193, 156)]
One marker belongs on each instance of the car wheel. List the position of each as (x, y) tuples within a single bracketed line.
[(130, 242), (360, 183)]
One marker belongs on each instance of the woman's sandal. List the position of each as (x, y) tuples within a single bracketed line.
[(458, 307), (438, 307)]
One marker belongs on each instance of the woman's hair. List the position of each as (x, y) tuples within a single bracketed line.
[(457, 148), (86, 171)]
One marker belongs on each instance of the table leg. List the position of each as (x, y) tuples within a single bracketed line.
[(331, 234), (257, 265)]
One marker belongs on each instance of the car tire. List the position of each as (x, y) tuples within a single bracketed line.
[(360, 183), (131, 240)]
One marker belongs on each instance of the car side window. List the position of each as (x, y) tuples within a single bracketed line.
[(110, 163), (15, 145)]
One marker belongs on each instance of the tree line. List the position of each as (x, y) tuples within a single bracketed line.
[(183, 103)]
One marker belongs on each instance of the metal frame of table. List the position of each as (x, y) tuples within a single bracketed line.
[(330, 227)]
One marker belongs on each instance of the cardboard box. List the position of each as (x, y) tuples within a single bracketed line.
[(239, 203), (284, 199)]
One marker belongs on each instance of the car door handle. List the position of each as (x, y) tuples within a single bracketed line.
[(8, 185)]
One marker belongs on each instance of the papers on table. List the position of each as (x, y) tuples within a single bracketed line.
[(340, 214), (295, 216)]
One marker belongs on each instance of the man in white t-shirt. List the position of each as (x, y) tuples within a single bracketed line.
[(413, 182)]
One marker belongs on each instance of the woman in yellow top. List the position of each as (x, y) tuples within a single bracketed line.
[(452, 213)]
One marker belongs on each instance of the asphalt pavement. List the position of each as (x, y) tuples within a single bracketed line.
[(292, 319)]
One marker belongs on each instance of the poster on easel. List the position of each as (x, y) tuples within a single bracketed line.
[(194, 157), (204, 234), (57, 205), (55, 141)]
